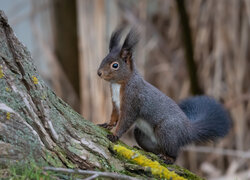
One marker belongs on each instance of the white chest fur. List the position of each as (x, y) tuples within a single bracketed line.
[(116, 94)]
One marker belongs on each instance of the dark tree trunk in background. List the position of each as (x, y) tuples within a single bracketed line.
[(188, 46), (66, 43)]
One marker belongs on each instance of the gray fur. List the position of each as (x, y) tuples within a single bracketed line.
[(171, 126), (115, 38), (131, 40)]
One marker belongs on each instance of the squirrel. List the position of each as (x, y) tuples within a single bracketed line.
[(161, 125)]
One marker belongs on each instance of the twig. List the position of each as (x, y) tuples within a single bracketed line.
[(238, 100), (85, 172), (92, 177), (219, 151)]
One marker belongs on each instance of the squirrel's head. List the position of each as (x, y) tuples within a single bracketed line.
[(118, 65)]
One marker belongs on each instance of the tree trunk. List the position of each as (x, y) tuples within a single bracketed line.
[(66, 45), (36, 124)]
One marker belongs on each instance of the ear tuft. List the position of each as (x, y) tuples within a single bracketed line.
[(115, 38), (131, 40)]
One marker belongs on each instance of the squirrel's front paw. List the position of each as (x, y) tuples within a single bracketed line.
[(112, 138), (106, 126)]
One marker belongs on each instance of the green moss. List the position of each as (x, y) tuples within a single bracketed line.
[(105, 164), (1, 72), (184, 172), (26, 170), (62, 155), (52, 159), (74, 148)]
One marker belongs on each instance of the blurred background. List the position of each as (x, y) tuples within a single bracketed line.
[(186, 48)]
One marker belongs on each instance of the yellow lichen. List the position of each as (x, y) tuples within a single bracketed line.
[(8, 115), (7, 89), (44, 96), (35, 80), (1, 72), (156, 168)]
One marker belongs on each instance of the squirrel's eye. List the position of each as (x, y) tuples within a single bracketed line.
[(115, 65)]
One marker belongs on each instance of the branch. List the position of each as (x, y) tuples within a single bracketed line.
[(86, 172), (219, 151)]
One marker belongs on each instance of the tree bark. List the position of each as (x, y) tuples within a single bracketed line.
[(36, 124)]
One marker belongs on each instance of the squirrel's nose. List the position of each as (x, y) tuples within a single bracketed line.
[(99, 73)]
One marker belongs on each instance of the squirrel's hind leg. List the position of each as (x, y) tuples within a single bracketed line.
[(169, 143), (145, 142)]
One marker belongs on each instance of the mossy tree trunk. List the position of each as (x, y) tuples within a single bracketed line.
[(36, 124)]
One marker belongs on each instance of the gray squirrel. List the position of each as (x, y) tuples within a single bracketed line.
[(161, 125)]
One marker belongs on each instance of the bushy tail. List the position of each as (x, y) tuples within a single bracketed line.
[(209, 119)]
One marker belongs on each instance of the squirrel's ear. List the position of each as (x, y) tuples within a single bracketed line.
[(129, 43), (115, 38)]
